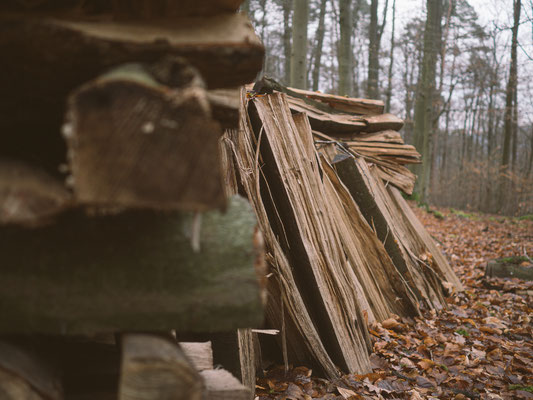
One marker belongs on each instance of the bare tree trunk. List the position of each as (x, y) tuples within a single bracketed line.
[(391, 58), (345, 48), (424, 108), (375, 33), (319, 39), (287, 31), (299, 44), (509, 105)]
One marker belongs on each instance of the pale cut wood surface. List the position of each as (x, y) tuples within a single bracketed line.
[(136, 143), (222, 385), (154, 368), (376, 123), (200, 354), (24, 375)]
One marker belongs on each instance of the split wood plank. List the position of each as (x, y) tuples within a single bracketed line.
[(376, 123), (23, 375), (136, 270), (28, 195), (345, 104), (136, 143), (291, 167), (300, 330), (423, 246), (370, 194), (154, 368), (326, 122), (385, 289)]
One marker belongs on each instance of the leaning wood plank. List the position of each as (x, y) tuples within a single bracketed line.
[(383, 122), (28, 195), (136, 270), (249, 356), (144, 145), (154, 368), (221, 385), (24, 375), (291, 166), (127, 8), (385, 289), (399, 176), (200, 354), (345, 104), (301, 330), (370, 194), (426, 250), (326, 122)]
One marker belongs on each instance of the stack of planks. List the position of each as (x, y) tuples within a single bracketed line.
[(113, 213), (344, 250), (358, 125)]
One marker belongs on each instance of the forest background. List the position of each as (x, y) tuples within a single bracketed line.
[(459, 72)]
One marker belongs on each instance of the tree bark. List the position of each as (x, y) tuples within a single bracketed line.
[(319, 39), (391, 59), (299, 44), (424, 107), (345, 48), (287, 33)]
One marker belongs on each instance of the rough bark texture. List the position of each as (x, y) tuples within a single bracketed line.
[(424, 107), (299, 44)]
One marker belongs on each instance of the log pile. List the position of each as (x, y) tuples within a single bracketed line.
[(113, 212), (344, 249)]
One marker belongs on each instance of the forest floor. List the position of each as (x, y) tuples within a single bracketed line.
[(480, 347)]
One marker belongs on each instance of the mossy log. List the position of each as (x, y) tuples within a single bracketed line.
[(511, 267), (136, 270)]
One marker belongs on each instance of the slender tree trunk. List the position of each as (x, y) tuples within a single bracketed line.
[(345, 48), (424, 107), (511, 89), (509, 105), (287, 32), (299, 44), (375, 33), (319, 39), (373, 52), (391, 58)]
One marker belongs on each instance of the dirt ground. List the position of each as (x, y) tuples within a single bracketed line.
[(480, 347)]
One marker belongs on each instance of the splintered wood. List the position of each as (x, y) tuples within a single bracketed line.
[(338, 260)]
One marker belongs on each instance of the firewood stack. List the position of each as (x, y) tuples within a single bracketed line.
[(113, 213), (323, 174)]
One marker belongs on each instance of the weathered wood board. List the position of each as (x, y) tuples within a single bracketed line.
[(133, 271)]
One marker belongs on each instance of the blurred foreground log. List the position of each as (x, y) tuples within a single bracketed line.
[(136, 270), (136, 143)]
